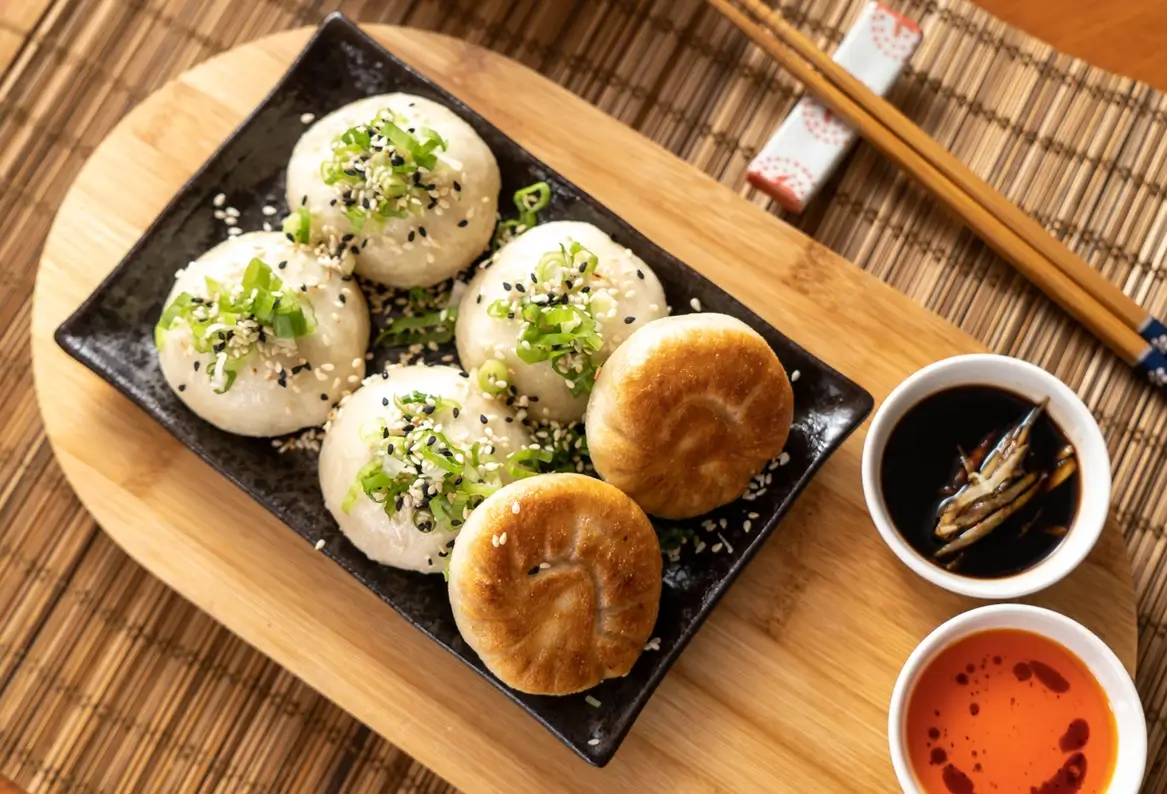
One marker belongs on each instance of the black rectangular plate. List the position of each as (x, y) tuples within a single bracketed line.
[(111, 333)]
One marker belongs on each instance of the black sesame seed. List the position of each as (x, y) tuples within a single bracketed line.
[(478, 299), (400, 503), (291, 239), (385, 401), (463, 374), (429, 442), (520, 287), (462, 223), (354, 250), (182, 387), (640, 274), (332, 203), (585, 289), (506, 285), (196, 366), (449, 544), (510, 419), (303, 200), (457, 186), (583, 268), (385, 375), (429, 409), (533, 398), (482, 418), (629, 320), (282, 265), (421, 231), (510, 315), (324, 397), (412, 234), (457, 411)]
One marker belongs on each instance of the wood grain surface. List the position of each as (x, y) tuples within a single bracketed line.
[(1124, 36), (786, 687)]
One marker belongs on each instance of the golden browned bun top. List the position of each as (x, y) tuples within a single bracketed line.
[(555, 583), (687, 411)]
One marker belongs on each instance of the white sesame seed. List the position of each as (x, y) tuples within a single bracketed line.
[(591, 701), (268, 210), (794, 376), (232, 212), (747, 525), (544, 565), (502, 539), (783, 459), (219, 200), (751, 515), (494, 541), (696, 304), (266, 226), (307, 118), (593, 742), (716, 548), (234, 231), (515, 508), (319, 544)]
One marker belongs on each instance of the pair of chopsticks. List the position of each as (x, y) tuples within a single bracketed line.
[(1115, 319)]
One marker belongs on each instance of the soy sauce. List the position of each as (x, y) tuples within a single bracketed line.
[(922, 460)]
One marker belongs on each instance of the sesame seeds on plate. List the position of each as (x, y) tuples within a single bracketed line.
[(307, 118), (695, 303)]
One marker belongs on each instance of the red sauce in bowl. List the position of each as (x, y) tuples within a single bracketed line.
[(1010, 711)]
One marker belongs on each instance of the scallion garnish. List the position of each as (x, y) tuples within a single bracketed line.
[(426, 319), (298, 225), (557, 448), (383, 170), (558, 316), (258, 313), (416, 467), (492, 377), (528, 202)]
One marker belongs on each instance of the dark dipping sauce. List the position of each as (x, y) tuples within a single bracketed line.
[(922, 461)]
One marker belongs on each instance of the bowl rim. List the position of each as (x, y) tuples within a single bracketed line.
[(1072, 416), (1100, 660)]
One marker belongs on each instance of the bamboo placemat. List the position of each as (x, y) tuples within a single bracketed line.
[(110, 682)]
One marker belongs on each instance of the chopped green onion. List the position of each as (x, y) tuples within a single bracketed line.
[(525, 462), (528, 202), (298, 225), (492, 377), (435, 326), (214, 318), (409, 450), (386, 163)]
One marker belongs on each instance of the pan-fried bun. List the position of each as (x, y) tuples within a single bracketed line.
[(686, 412), (555, 583)]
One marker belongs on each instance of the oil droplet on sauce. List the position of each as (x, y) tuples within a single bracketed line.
[(1047, 728)]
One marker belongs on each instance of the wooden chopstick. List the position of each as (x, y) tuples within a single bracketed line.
[(1079, 289)]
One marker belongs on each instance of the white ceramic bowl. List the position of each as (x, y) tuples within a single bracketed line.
[(1070, 414), (1107, 669)]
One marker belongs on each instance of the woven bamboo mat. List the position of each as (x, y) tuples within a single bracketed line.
[(110, 682)]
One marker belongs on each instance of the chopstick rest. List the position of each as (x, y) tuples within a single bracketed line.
[(806, 148)]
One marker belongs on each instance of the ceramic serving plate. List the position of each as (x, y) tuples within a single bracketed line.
[(112, 335)]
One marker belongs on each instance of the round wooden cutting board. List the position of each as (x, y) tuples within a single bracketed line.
[(787, 686)]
